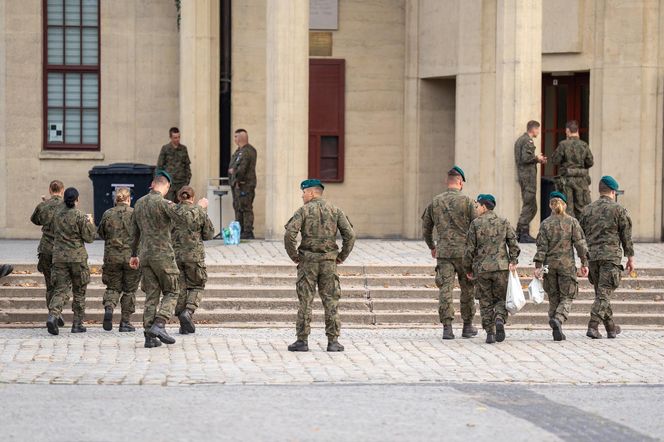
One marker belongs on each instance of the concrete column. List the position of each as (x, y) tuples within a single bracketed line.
[(199, 88), (3, 140), (287, 110), (518, 94)]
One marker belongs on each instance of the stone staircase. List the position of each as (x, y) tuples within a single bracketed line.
[(372, 295)]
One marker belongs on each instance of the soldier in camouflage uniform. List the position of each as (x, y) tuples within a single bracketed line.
[(526, 166), (174, 159), (153, 218), (450, 214), (42, 216), (121, 280), (486, 259), (317, 258), (242, 178), (190, 257), (608, 230), (559, 235), (72, 229), (573, 158)]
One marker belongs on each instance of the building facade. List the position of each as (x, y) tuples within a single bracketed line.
[(378, 98)]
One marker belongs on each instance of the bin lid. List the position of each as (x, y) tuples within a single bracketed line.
[(122, 169)]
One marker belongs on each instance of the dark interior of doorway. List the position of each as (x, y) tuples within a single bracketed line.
[(225, 87), (565, 97)]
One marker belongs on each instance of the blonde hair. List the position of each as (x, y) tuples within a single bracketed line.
[(558, 206), (122, 195)]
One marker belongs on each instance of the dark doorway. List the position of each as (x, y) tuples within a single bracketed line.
[(225, 130), (565, 97)]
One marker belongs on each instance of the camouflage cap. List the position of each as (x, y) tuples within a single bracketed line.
[(457, 171), (162, 172), (557, 194), (486, 199), (610, 182), (311, 183)]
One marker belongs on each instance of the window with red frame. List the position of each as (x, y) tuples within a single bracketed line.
[(71, 74)]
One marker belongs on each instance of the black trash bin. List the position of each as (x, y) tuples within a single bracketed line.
[(107, 178), (548, 186)]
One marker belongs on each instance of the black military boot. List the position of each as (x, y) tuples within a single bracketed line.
[(52, 325), (108, 318), (500, 330), (592, 330), (612, 330), (448, 332), (334, 345), (125, 326), (77, 326), (525, 238), (557, 328), (61, 322), (248, 235), (151, 342), (186, 323), (299, 345), (5, 269), (490, 338), (468, 330), (158, 330)]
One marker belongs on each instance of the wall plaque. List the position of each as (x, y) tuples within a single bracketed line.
[(324, 14), (320, 44)]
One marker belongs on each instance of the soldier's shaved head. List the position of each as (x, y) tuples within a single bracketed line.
[(454, 182)]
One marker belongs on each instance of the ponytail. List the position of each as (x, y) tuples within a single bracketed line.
[(558, 206)]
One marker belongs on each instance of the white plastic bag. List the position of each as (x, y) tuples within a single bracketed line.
[(536, 291), (515, 299)]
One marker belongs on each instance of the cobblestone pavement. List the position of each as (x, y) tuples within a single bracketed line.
[(383, 356), (366, 252)]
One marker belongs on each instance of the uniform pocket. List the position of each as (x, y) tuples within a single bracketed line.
[(85, 274), (616, 276), (439, 277)]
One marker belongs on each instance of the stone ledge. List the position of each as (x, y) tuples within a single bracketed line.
[(74, 155)]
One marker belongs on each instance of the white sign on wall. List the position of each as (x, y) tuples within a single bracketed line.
[(324, 14)]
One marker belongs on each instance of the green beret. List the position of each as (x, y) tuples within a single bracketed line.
[(610, 182), (162, 172), (557, 194), (311, 183), (457, 171), (486, 198)]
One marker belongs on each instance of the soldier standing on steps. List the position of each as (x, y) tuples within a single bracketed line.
[(121, 280), (72, 229), (450, 214), (242, 178), (152, 223), (491, 250), (559, 235), (526, 166), (42, 216), (174, 159), (188, 240), (317, 258), (608, 230)]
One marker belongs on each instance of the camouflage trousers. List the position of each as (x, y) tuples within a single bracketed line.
[(492, 290), (65, 275), (561, 288), (121, 284), (445, 271), (45, 265), (159, 276), (193, 276), (577, 191), (172, 194), (243, 205), (323, 275), (529, 201), (605, 277)]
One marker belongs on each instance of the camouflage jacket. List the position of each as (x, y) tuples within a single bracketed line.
[(176, 162), (71, 229), (574, 158), (451, 214), (318, 222), (152, 224), (188, 236), (487, 244), (608, 227), (525, 157), (243, 163), (115, 229), (559, 235), (42, 216)]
